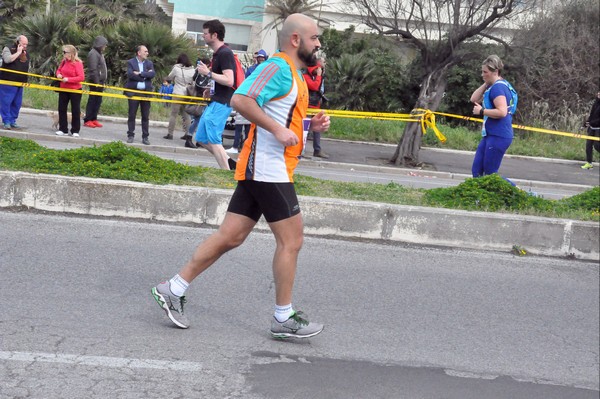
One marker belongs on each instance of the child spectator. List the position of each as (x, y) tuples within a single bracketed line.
[(166, 88)]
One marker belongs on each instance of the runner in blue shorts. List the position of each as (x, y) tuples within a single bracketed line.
[(212, 123), (221, 74)]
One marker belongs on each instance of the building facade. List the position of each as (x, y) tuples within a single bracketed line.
[(244, 21)]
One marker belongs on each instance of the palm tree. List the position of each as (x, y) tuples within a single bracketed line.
[(46, 34), (352, 79), (163, 45), (281, 9), (94, 13), (17, 9)]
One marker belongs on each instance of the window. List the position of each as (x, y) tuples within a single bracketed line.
[(236, 36)]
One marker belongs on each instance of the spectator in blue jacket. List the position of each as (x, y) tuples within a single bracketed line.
[(261, 55), (166, 88)]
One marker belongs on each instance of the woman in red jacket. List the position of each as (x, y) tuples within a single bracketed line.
[(314, 81), (71, 73)]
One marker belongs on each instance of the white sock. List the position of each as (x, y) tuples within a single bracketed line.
[(178, 285), (282, 313)]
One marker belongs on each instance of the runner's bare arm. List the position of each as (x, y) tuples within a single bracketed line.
[(250, 110)]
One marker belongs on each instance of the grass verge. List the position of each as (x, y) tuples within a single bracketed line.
[(119, 161)]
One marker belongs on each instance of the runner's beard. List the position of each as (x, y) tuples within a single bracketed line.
[(307, 56)]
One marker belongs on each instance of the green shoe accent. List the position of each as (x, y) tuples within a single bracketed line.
[(587, 165), (157, 298)]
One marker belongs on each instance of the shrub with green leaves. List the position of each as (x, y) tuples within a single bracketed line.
[(493, 193), (113, 161), (489, 193), (588, 200)]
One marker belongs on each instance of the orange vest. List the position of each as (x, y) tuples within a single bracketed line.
[(263, 158)]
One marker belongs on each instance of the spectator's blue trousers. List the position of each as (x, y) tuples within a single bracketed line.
[(11, 98)]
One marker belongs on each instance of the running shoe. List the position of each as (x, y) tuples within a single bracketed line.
[(587, 165), (232, 150), (172, 304), (97, 124), (90, 124), (297, 326), (61, 133), (75, 134)]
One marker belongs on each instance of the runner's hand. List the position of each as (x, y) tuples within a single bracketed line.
[(320, 122), (286, 137)]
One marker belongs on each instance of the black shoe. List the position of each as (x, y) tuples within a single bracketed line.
[(320, 154), (185, 137), (168, 137), (130, 139), (232, 164), (189, 143), (198, 145), (145, 141)]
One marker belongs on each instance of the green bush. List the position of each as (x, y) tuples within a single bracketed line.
[(113, 161), (588, 200), (493, 193), (488, 193)]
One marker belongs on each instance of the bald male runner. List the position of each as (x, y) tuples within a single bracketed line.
[(275, 100)]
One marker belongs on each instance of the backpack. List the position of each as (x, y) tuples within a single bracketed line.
[(512, 104), (238, 74)]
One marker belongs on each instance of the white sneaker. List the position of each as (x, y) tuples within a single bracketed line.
[(232, 150), (60, 133), (75, 134)]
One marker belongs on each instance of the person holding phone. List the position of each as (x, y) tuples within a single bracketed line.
[(221, 73), (315, 81), (14, 58)]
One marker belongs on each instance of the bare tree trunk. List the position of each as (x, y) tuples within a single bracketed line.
[(432, 91)]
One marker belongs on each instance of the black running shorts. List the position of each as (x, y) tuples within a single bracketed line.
[(276, 201)]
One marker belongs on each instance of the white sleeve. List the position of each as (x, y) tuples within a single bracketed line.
[(6, 55)]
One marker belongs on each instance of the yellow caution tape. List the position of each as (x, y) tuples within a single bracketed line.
[(94, 93), (423, 116), (528, 128), (428, 121), (419, 115)]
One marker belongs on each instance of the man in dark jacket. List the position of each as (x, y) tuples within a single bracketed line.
[(140, 72), (593, 129), (16, 58), (96, 74)]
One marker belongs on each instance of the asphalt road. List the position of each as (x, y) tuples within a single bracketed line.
[(401, 321)]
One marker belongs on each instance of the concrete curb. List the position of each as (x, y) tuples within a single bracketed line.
[(322, 217)]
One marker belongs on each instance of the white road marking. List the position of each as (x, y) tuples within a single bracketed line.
[(101, 361)]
